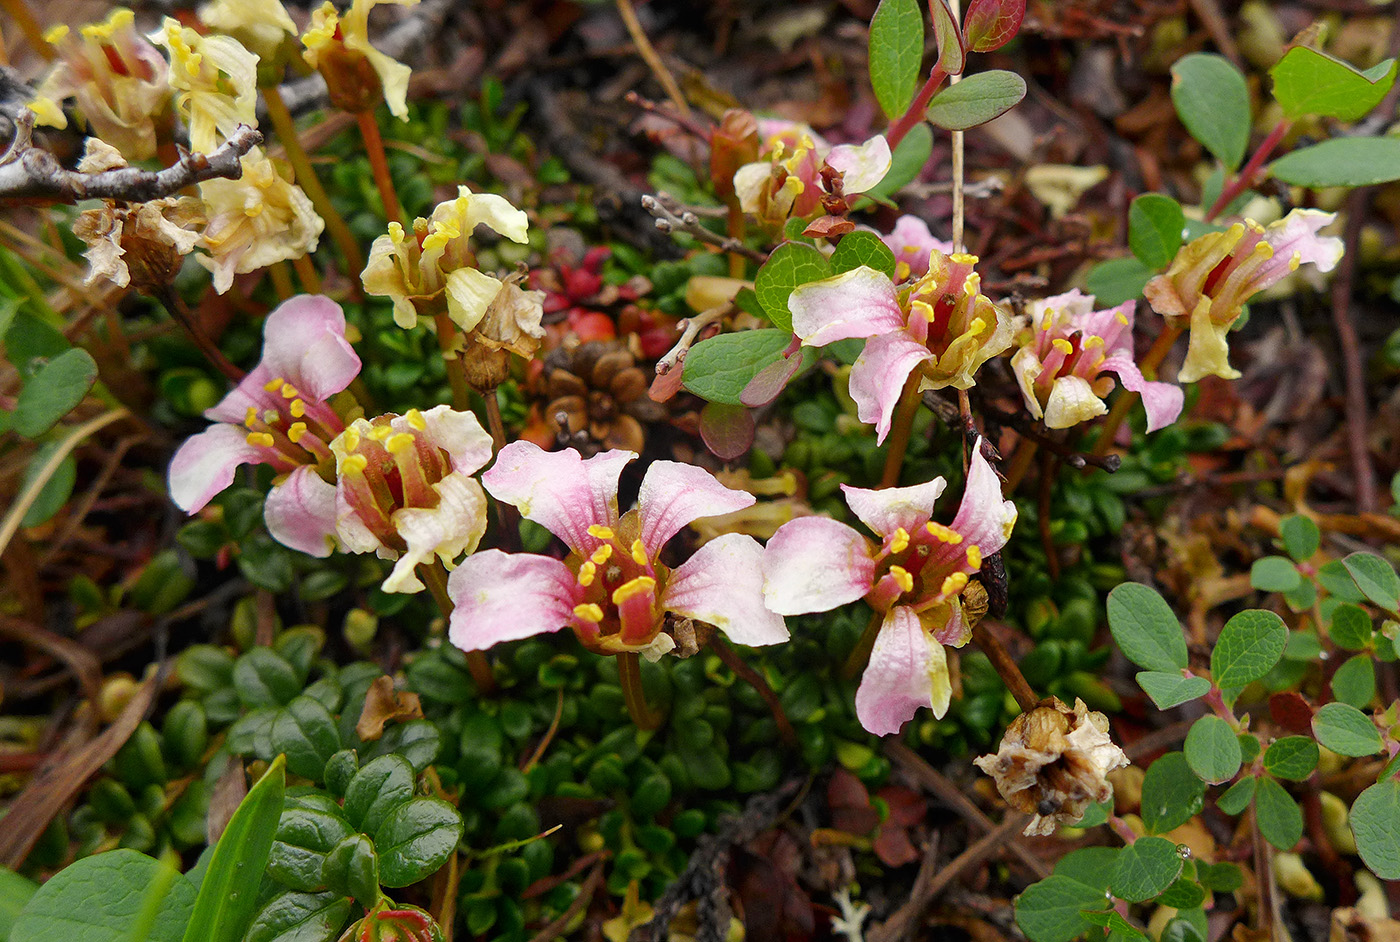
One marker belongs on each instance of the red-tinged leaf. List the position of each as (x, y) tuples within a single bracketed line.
[(824, 227), (952, 56), (907, 807), (1291, 712), (726, 430), (849, 801), (991, 24), (893, 847), (770, 381), (666, 384), (732, 144)]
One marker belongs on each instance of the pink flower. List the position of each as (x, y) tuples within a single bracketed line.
[(1066, 347), (911, 242), (915, 576), (789, 179), (941, 327), (278, 415), (612, 589)]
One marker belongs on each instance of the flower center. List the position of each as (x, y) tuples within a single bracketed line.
[(619, 582), (291, 430), (926, 568), (387, 465)]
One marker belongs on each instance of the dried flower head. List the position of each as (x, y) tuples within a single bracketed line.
[(1053, 763)]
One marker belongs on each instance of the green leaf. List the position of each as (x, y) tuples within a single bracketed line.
[(977, 99), (1049, 911), (1171, 793), (1355, 681), (1301, 537), (952, 55), (1274, 574), (1236, 798), (1347, 731), (54, 391), (352, 869), (896, 52), (1350, 627), (1375, 820), (1212, 100), (1145, 868), (909, 158), (265, 679), (1155, 225), (1249, 645), (228, 897), (1221, 877), (790, 265), (1118, 280), (1183, 894), (305, 731), (56, 490), (301, 917), (719, 369), (1212, 750), (102, 898), (1341, 161), (1292, 757), (1280, 818), (1145, 628), (15, 891), (377, 789), (1168, 689), (416, 839), (1309, 82), (304, 837), (862, 248), (1376, 578), (1092, 866)]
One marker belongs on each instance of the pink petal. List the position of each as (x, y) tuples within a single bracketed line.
[(906, 666), (249, 393), (300, 512), (558, 489), (890, 508), (814, 564), (304, 343), (722, 584), (206, 464), (857, 303), (984, 519), (861, 165), (879, 374), (911, 242), (1297, 232), (504, 597), (674, 494), (460, 434), (1163, 401)]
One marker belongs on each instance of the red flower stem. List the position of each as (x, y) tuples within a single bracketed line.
[(379, 164), (860, 654), (1006, 667), (629, 672), (1121, 828), (915, 112), (1126, 399), (1245, 178), (435, 578), (902, 425), (1021, 461), (755, 680)]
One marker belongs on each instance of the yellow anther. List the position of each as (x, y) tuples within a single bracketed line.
[(962, 258), (902, 578), (588, 612), (955, 583), (977, 327), (924, 309), (396, 232), (974, 556), (298, 408), (354, 464), (297, 430), (902, 271), (289, 391), (270, 416), (899, 542), (397, 444), (350, 438), (251, 416), (273, 385), (639, 553), (1122, 319), (635, 587), (943, 534), (600, 532), (380, 432), (602, 554), (415, 419), (1062, 345), (1093, 340), (260, 439), (587, 573)]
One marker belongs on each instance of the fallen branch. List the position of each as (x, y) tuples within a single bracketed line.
[(28, 174), (672, 217)]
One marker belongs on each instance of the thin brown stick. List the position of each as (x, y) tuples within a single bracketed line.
[(1354, 370), (648, 53), (556, 928), (1005, 667), (379, 165), (755, 680)]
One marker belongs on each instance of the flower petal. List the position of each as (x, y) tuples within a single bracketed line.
[(304, 343), (673, 494), (857, 303), (1207, 350), (507, 596), (861, 165), (890, 508), (206, 463), (814, 564), (907, 670), (1072, 400), (1297, 233), (911, 242), (460, 434), (455, 526), (559, 490), (1162, 401), (300, 512), (469, 295), (984, 518), (879, 374), (722, 584), (496, 213)]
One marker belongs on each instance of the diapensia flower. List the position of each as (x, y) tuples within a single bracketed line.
[(1213, 276), (1053, 762), (356, 73), (789, 178), (278, 415), (217, 81), (940, 326), (914, 576), (912, 244), (263, 26), (1067, 346), (612, 589), (117, 80)]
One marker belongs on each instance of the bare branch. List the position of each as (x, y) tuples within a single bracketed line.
[(671, 216), (31, 175)]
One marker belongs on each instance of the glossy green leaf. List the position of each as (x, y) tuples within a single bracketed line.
[(790, 265), (101, 899), (377, 789), (1212, 749), (1049, 911), (15, 891), (862, 248), (1309, 82), (416, 839), (1347, 731), (56, 490), (1118, 280), (1249, 645), (54, 391), (1355, 681), (1301, 537), (301, 917), (1375, 577), (1274, 574), (977, 99), (265, 679), (1155, 225), (1236, 798), (1169, 689), (719, 369), (1350, 627), (352, 869), (1292, 757), (1212, 100), (1145, 868), (1183, 894), (1171, 793), (1145, 628), (1341, 161), (1375, 820), (1280, 818), (304, 837), (896, 52), (305, 732)]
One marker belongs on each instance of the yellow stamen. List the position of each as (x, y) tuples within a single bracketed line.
[(399, 443), (270, 416), (955, 583), (351, 439), (588, 612), (297, 430), (962, 258), (415, 419), (1092, 341), (924, 309), (899, 542), (974, 556), (289, 391), (1062, 345), (639, 553), (602, 554), (943, 534), (633, 588), (600, 532), (587, 573), (354, 464), (380, 432), (902, 578), (259, 439), (1122, 319), (251, 416), (298, 408), (273, 385)]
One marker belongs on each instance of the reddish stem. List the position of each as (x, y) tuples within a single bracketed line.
[(1245, 178), (915, 112)]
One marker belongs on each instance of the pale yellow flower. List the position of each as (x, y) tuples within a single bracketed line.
[(339, 46), (217, 80), (260, 25)]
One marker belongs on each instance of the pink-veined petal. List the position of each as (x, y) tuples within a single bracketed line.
[(673, 494), (911, 242), (814, 564), (460, 434), (1297, 233), (455, 526), (507, 596), (206, 464), (984, 518), (907, 670), (300, 512), (559, 490), (249, 393), (304, 343), (890, 508), (878, 376), (722, 584), (861, 165), (1162, 401), (857, 303)]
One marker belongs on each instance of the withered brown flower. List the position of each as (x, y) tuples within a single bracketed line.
[(1053, 763), (597, 397)]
